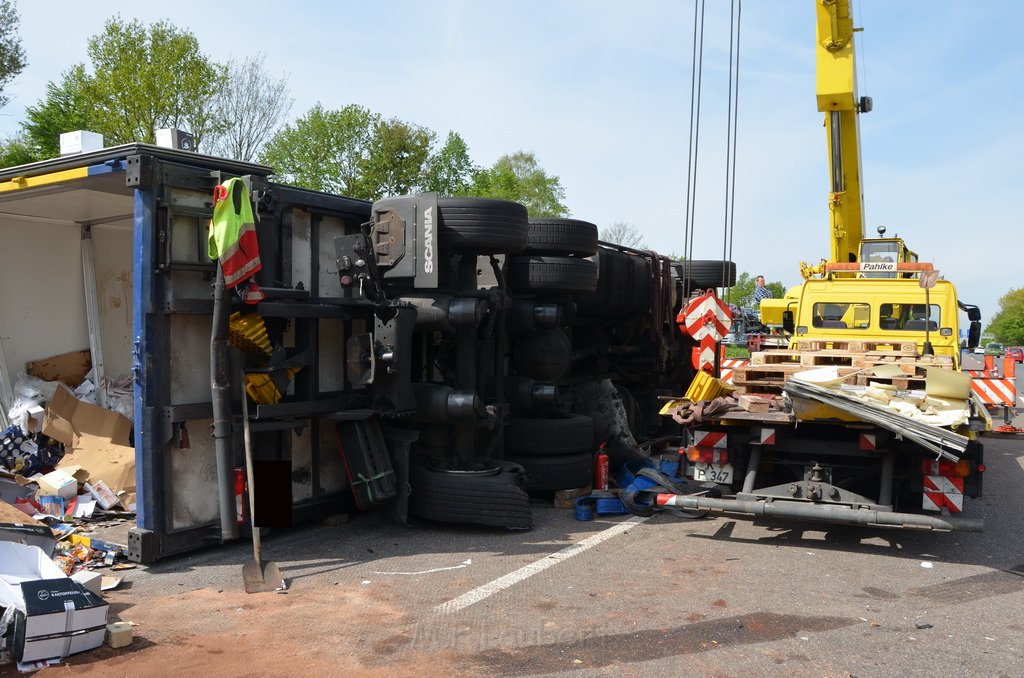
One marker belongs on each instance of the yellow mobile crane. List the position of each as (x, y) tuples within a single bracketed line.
[(836, 453), (872, 289)]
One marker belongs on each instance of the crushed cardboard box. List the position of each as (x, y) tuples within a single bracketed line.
[(96, 443), (68, 419)]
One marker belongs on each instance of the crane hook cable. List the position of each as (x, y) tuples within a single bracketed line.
[(731, 132), (696, 70)]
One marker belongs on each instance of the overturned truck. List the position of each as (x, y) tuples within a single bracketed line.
[(438, 357)]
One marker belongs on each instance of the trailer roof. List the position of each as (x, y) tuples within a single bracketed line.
[(117, 152)]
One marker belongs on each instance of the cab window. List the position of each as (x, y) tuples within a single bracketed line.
[(841, 316), (909, 317)]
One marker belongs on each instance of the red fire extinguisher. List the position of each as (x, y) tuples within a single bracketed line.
[(601, 467)]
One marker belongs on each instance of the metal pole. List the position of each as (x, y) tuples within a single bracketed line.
[(92, 314), (885, 489), (220, 392), (6, 389), (752, 466)]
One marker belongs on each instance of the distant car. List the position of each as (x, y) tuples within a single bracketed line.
[(1015, 352), (994, 348)]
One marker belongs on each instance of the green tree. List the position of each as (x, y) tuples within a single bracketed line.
[(147, 78), (65, 108), (449, 171), (518, 177), (742, 293), (394, 164), (1007, 326), (252, 106), (16, 151), (625, 234), (143, 79), (12, 56), (324, 150)]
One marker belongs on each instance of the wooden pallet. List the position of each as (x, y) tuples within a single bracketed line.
[(903, 383), (757, 388), (856, 346), (829, 359), (750, 373), (775, 357)]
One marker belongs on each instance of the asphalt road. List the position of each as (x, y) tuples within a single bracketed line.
[(716, 597)]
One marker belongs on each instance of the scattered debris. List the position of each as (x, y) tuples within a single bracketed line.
[(119, 634)]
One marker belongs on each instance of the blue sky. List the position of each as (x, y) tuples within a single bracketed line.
[(599, 91)]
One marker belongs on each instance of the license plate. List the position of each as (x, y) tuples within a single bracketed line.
[(716, 473)]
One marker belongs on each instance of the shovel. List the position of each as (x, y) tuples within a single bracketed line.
[(257, 575)]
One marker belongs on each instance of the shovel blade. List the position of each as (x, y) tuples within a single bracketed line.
[(262, 579)]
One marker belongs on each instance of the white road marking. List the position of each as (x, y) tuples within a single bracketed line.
[(465, 563), (512, 578)]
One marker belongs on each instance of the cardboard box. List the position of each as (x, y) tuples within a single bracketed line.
[(37, 590), (68, 368), (102, 494), (91, 580), (96, 443), (35, 415), (58, 483), (58, 617), (68, 419), (96, 459)]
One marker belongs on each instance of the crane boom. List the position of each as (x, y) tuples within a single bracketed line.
[(837, 99)]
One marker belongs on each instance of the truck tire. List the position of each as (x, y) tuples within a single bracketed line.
[(561, 472), (609, 297), (495, 498), (545, 355), (562, 237), (708, 273), (482, 225), (551, 274), (550, 436)]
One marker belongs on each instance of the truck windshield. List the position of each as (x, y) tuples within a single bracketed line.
[(909, 317)]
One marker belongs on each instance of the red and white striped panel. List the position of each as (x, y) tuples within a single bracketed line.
[(706, 316), (943, 492), (995, 391), (729, 366), (709, 439), (867, 441), (766, 436)]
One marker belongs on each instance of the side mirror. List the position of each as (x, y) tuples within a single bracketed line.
[(787, 323), (974, 334), (973, 312)]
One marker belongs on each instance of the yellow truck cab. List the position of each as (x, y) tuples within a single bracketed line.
[(890, 310), (880, 298)]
